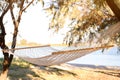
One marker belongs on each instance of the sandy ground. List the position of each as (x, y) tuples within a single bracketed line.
[(21, 70), (63, 72)]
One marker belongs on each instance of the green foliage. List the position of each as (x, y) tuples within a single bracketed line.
[(117, 39), (86, 19)]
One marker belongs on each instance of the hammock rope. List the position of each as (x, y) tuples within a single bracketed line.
[(46, 55)]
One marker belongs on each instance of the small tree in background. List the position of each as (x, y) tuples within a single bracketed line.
[(5, 6)]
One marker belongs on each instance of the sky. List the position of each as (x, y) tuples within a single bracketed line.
[(34, 27)]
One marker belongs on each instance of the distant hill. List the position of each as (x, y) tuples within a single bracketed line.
[(24, 42)]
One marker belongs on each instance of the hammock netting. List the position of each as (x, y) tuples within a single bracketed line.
[(47, 55)]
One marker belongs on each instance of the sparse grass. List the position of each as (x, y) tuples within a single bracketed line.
[(21, 70)]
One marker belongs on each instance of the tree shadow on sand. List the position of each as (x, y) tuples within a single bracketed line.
[(21, 70), (57, 71), (112, 71)]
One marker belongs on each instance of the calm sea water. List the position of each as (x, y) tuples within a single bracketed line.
[(110, 57)]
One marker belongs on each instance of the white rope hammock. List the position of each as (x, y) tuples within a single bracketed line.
[(46, 55)]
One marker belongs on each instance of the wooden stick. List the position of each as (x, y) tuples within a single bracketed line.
[(94, 48), (25, 48)]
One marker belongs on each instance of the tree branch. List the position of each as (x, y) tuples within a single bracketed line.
[(114, 8), (20, 11), (23, 9), (6, 10), (22, 3), (28, 5), (12, 15)]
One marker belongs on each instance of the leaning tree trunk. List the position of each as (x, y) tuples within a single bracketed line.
[(114, 7), (6, 55)]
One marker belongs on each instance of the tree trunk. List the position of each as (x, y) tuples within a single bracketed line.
[(5, 66), (6, 62), (114, 8)]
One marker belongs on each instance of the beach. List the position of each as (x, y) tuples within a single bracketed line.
[(21, 70)]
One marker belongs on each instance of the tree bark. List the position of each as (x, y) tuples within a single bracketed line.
[(6, 55), (114, 8), (6, 62)]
